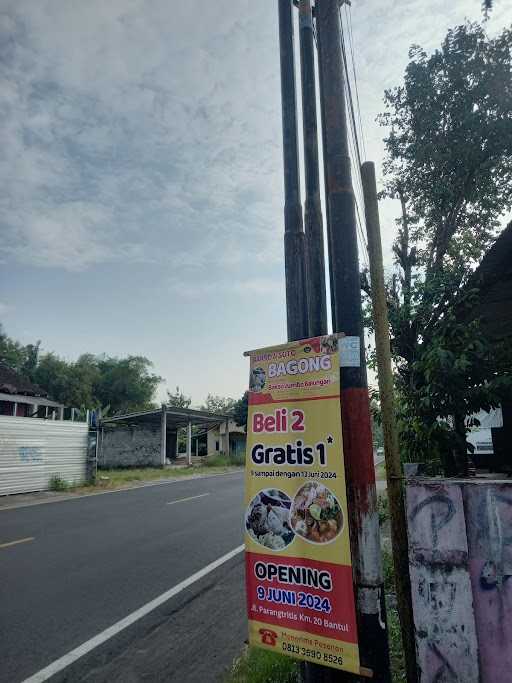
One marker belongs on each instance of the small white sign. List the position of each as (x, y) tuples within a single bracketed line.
[(350, 352)]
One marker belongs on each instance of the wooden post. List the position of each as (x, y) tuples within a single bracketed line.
[(163, 437), (189, 443), (391, 447)]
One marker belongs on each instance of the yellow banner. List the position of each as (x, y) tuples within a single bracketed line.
[(300, 598)]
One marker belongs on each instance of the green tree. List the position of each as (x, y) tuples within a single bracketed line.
[(219, 404), (20, 358), (240, 410), (178, 399), (54, 374), (126, 384), (121, 384), (449, 163)]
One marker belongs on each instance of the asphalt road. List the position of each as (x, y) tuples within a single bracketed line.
[(95, 560)]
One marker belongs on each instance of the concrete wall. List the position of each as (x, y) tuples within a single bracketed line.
[(460, 559), (122, 446), (218, 434)]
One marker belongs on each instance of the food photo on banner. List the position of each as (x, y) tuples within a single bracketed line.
[(300, 598)]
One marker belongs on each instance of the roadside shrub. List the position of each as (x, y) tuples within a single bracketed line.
[(57, 483), (383, 508), (261, 666)]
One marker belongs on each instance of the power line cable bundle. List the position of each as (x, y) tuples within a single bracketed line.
[(356, 138)]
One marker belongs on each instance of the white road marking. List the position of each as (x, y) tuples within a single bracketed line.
[(84, 648), (183, 500), (166, 482), (20, 540)]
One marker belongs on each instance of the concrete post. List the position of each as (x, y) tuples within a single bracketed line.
[(189, 443), (294, 239), (163, 440), (227, 438), (347, 318), (315, 262)]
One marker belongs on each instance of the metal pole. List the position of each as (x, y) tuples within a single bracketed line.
[(189, 443), (391, 448), (96, 453), (163, 435), (294, 243), (357, 436), (317, 311)]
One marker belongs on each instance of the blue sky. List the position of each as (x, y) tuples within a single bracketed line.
[(141, 172)]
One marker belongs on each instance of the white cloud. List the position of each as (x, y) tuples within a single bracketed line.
[(150, 131), (5, 308), (138, 124)]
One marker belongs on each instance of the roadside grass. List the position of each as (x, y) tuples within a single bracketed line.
[(112, 479), (115, 478), (262, 666), (396, 652), (222, 460)]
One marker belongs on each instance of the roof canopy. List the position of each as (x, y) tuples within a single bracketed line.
[(494, 279), (175, 418)]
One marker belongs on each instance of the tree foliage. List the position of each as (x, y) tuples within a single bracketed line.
[(449, 163), (221, 405), (240, 411), (121, 384), (178, 399)]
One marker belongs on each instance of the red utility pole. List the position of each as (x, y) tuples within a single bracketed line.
[(347, 318)]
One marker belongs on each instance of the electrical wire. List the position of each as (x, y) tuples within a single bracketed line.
[(347, 81), (348, 12), (354, 146), (353, 138)]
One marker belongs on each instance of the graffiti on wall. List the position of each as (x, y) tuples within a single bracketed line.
[(30, 454), (438, 556), (460, 558)]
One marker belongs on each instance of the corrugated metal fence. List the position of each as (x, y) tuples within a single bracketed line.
[(33, 450)]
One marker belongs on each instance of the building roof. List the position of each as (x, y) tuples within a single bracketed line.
[(175, 417), (493, 277), (12, 382)]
